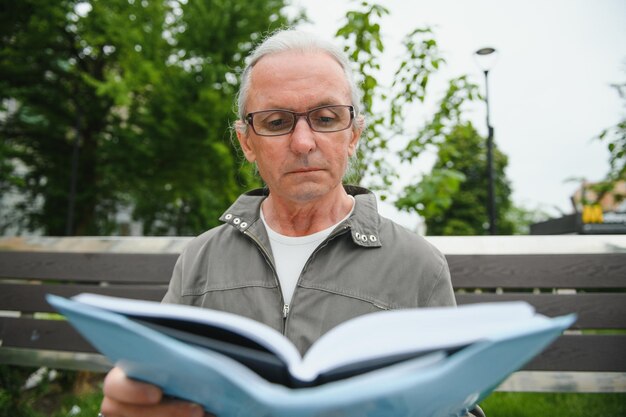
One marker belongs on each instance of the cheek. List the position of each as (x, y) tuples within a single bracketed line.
[(268, 160), (339, 156)]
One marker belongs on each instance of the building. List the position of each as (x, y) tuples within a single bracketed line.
[(595, 212)]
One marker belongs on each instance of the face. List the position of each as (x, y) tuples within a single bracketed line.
[(303, 165)]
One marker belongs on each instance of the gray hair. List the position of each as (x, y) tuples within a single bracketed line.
[(295, 40)]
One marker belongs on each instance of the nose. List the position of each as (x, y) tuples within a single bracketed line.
[(302, 139)]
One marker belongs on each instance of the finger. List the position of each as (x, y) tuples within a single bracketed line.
[(112, 408), (118, 387)]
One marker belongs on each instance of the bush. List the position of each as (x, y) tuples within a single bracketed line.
[(42, 392)]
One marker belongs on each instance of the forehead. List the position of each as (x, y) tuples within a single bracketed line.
[(297, 81)]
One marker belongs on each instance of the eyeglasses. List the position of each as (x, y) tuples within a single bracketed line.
[(323, 119)]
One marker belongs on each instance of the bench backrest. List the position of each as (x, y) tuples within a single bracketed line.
[(590, 284)]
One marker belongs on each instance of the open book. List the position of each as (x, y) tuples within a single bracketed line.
[(164, 343)]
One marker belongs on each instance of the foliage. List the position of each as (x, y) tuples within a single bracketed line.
[(433, 194), (141, 92), (449, 197), (615, 138), (453, 198), (364, 47), (446, 119), (363, 43), (39, 392), (521, 218)]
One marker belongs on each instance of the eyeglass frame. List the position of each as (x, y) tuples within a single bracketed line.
[(249, 119)]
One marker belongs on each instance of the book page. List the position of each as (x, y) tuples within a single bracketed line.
[(413, 330), (258, 332)]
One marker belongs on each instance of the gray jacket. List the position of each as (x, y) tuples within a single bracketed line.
[(367, 264)]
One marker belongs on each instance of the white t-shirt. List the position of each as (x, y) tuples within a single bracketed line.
[(291, 253)]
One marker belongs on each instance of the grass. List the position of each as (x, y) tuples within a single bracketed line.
[(499, 404), (78, 394), (525, 404)]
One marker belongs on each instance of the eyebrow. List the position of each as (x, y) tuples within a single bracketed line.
[(322, 103)]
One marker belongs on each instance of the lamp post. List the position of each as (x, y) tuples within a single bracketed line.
[(485, 57)]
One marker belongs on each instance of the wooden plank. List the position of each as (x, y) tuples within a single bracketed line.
[(468, 271), (595, 311), (598, 270), (88, 267), (42, 334), (601, 353), (54, 359), (30, 298)]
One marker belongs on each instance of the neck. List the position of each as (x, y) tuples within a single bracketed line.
[(297, 218)]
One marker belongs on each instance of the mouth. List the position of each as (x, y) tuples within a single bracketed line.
[(304, 170)]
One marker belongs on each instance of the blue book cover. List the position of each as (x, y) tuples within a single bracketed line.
[(446, 375)]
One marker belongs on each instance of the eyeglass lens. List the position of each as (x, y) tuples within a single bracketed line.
[(323, 119)]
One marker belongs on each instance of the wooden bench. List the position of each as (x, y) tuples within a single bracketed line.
[(592, 284)]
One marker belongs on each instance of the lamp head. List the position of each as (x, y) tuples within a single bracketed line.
[(486, 58), (485, 51)]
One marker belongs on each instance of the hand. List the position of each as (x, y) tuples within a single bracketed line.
[(124, 397)]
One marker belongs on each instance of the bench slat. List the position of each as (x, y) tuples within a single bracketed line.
[(42, 334), (595, 311), (468, 271), (599, 353), (31, 298), (85, 267), (606, 270)]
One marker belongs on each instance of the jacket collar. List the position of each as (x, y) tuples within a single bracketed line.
[(364, 223)]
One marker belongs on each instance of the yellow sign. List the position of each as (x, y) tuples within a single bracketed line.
[(593, 214)]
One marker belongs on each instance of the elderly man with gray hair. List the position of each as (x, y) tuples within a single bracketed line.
[(306, 252)]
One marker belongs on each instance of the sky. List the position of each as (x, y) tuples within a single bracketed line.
[(549, 89)]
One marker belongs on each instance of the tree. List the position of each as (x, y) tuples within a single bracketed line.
[(363, 43), (450, 197), (134, 98), (453, 198), (460, 172)]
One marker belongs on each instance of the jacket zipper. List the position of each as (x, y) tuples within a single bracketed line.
[(323, 244), (286, 306), (265, 253)]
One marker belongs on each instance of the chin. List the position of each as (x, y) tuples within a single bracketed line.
[(309, 191)]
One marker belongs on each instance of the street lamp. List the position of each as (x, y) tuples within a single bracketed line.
[(486, 57)]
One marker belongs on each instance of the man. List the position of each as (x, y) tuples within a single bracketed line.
[(305, 253)]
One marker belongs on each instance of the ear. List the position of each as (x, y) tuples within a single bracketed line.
[(356, 135), (244, 141)]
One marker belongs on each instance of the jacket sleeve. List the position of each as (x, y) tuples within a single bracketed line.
[(173, 294), (441, 293)]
